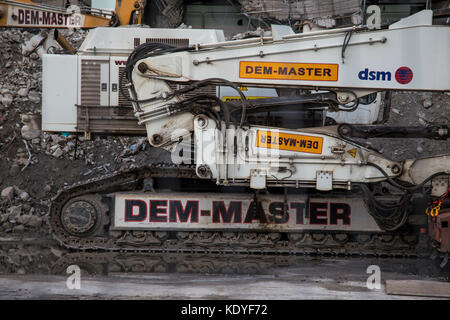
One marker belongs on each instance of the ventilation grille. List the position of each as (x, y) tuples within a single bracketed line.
[(118, 120), (173, 42), (176, 42), (208, 90), (123, 102), (90, 83)]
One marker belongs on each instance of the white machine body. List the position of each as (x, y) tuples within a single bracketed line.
[(351, 62), (91, 77)]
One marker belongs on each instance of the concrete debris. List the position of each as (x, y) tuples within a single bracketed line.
[(427, 103), (129, 159), (34, 221), (18, 229), (397, 111), (13, 213), (30, 45), (419, 149), (302, 10), (13, 191), (256, 33), (17, 215), (422, 121), (184, 26), (134, 148), (58, 153), (422, 118), (58, 139), (34, 56), (101, 169), (23, 219), (26, 258), (8, 193), (32, 120), (21, 271), (29, 133), (56, 251), (34, 97), (24, 196), (170, 12), (15, 168), (21, 157), (409, 111), (23, 92), (6, 99)]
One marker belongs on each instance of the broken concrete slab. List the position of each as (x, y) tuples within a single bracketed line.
[(29, 134), (8, 193)]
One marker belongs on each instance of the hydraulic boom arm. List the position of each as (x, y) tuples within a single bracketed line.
[(411, 54)]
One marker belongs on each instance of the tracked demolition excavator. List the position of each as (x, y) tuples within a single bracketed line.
[(30, 15), (236, 185)]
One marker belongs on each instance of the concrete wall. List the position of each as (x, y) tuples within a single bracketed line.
[(305, 9), (62, 3)]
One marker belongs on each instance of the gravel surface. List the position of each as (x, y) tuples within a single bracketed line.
[(38, 270)]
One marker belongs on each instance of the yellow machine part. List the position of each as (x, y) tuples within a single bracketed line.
[(125, 9), (123, 14)]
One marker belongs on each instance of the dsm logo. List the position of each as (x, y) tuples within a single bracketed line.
[(403, 75), (374, 75)]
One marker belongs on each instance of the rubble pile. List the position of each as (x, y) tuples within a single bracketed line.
[(27, 258), (314, 10), (20, 82), (34, 165), (415, 109), (18, 213)]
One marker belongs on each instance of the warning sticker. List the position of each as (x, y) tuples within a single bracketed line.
[(352, 152), (238, 98), (288, 71), (288, 141)]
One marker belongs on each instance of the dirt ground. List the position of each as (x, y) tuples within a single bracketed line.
[(41, 271)]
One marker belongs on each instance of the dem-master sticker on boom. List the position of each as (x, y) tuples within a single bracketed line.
[(289, 142), (288, 71)]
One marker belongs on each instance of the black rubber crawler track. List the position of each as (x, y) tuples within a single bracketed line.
[(380, 244)]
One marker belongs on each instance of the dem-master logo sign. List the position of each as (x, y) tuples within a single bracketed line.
[(288, 71), (27, 17)]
